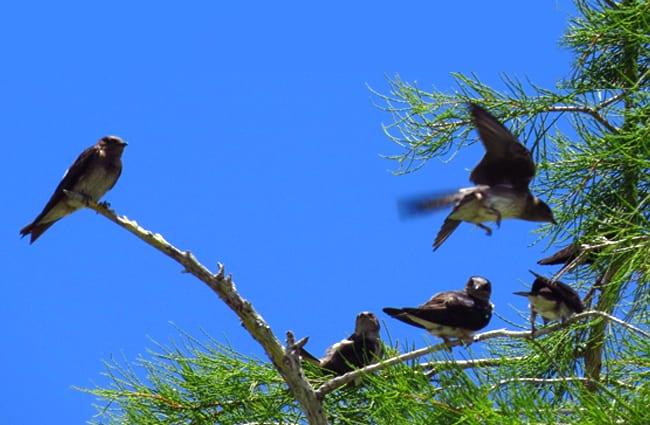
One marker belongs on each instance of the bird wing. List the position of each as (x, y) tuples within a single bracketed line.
[(424, 204), (341, 345), (448, 227), (444, 308), (462, 198), (569, 296), (563, 256), (506, 160), (72, 175)]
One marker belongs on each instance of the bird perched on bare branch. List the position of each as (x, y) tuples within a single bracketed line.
[(553, 300), (452, 314), (93, 174), (360, 349)]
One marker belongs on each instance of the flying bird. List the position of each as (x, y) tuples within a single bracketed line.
[(501, 177), (553, 300), (93, 174), (360, 349), (452, 314)]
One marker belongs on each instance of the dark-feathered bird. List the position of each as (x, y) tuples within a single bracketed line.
[(360, 349), (452, 314), (93, 174), (501, 177), (551, 300), (565, 255), (580, 251)]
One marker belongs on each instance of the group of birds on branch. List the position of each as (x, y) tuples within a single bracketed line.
[(501, 191)]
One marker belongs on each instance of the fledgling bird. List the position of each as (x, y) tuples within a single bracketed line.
[(92, 174), (452, 314), (553, 300), (360, 349), (501, 177)]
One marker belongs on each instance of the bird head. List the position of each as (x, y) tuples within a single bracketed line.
[(540, 211), (479, 287), (366, 323), (112, 143)]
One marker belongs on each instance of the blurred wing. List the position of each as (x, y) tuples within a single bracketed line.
[(424, 204)]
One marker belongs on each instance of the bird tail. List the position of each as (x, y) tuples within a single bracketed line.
[(308, 357), (35, 229)]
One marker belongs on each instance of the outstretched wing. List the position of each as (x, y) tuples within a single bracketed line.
[(506, 160)]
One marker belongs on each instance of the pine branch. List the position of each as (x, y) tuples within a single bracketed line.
[(339, 381)]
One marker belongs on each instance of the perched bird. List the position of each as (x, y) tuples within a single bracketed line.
[(360, 349), (452, 314), (584, 251), (501, 177), (553, 300), (566, 255), (93, 174)]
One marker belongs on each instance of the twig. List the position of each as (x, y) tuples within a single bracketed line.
[(555, 381), (467, 364)]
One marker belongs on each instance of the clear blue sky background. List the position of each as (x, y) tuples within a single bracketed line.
[(252, 142)]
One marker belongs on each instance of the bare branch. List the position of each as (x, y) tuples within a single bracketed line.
[(590, 111), (556, 381), (285, 361), (468, 364)]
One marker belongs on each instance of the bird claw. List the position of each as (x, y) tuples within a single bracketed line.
[(466, 340), (488, 231)]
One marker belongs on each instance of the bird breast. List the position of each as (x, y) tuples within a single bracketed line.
[(97, 182)]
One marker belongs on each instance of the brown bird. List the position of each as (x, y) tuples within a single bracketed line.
[(452, 314), (360, 349), (501, 177), (93, 174), (580, 251), (566, 255), (553, 300)]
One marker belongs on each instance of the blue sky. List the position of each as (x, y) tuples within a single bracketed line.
[(252, 142)]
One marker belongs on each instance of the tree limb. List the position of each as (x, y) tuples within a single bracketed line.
[(285, 361)]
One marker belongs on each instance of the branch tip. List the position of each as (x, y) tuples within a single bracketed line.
[(291, 339)]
